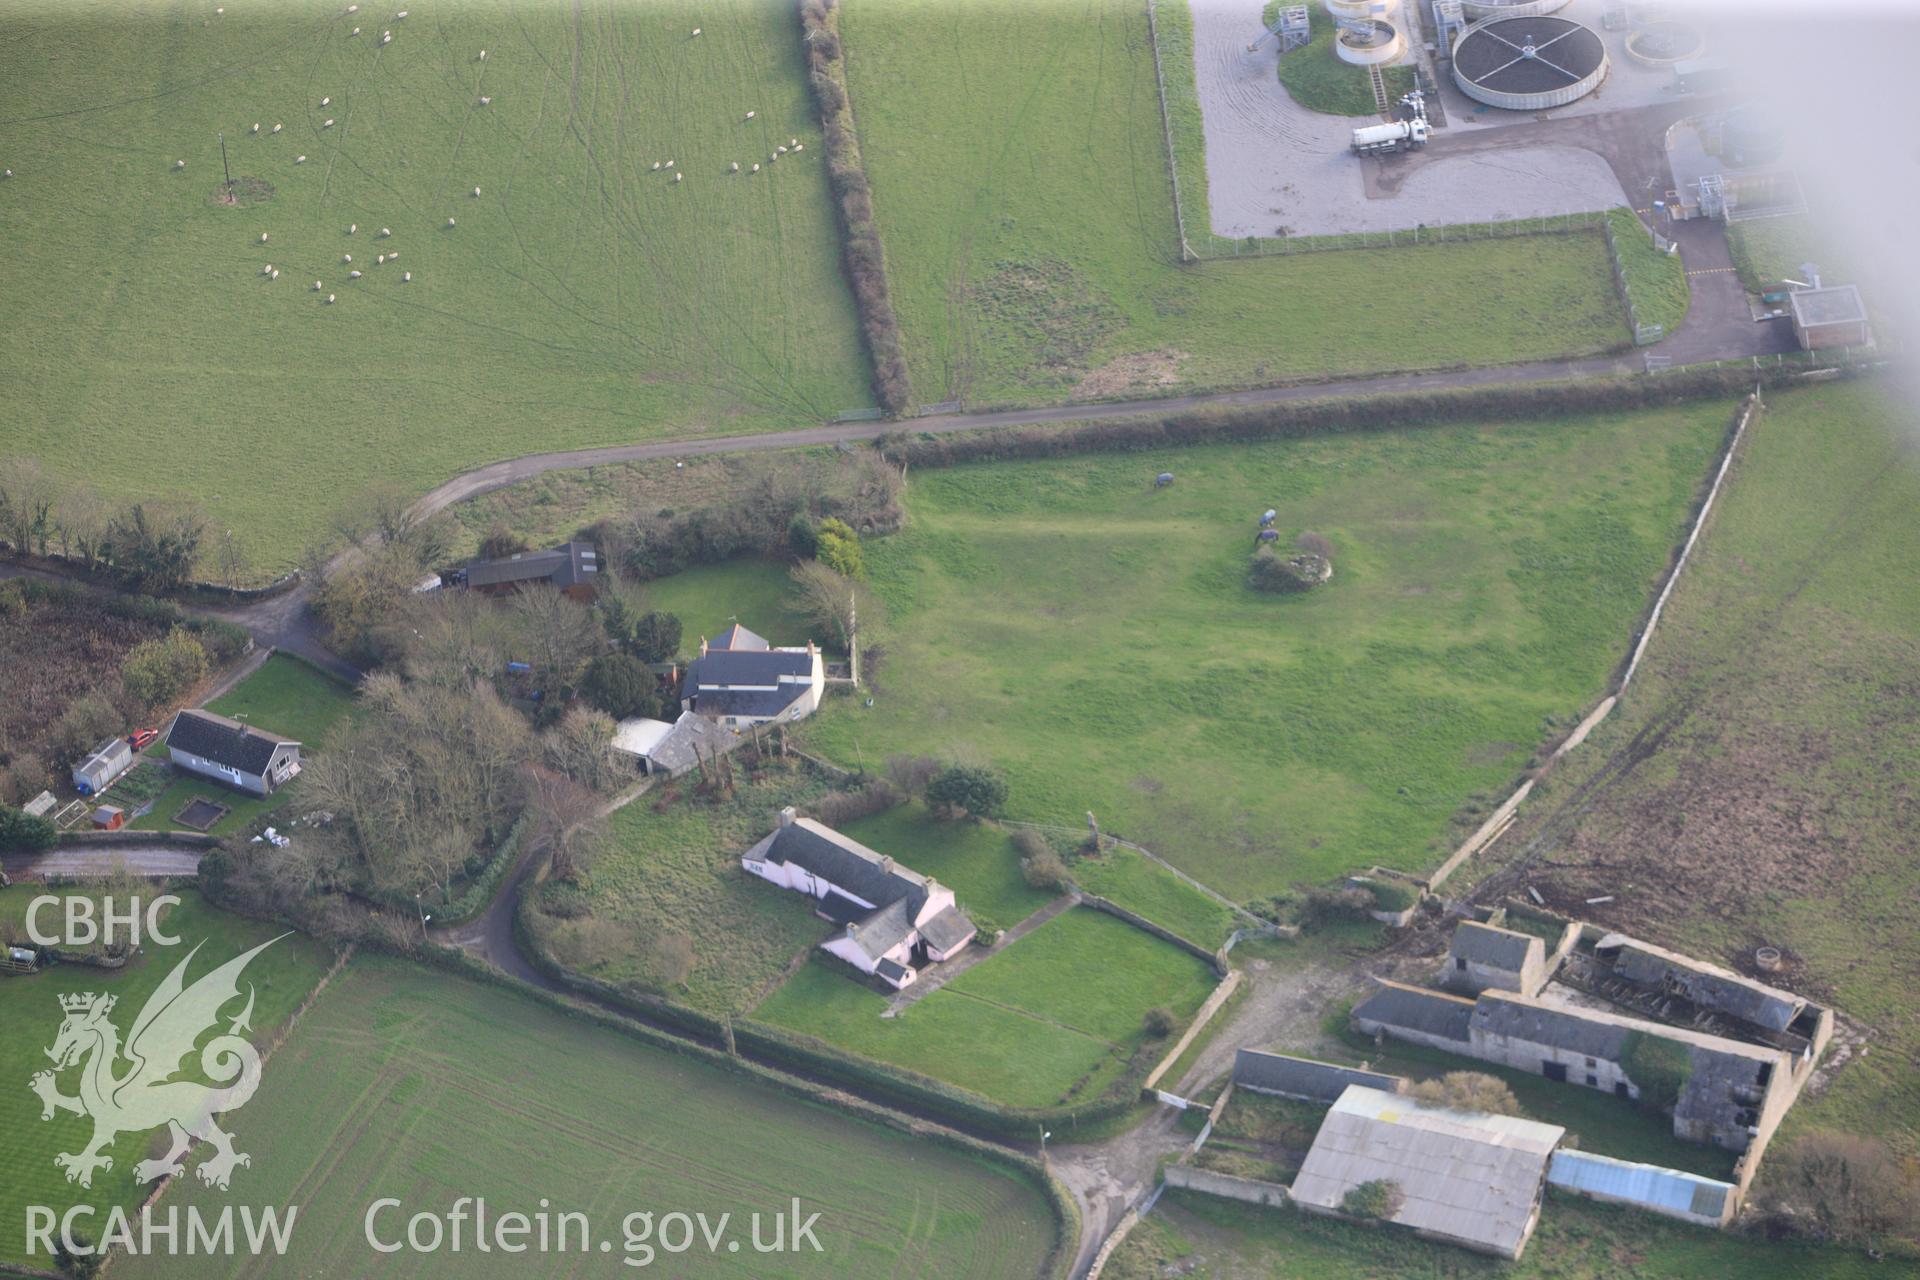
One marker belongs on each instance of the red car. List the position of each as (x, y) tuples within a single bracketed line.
[(141, 739)]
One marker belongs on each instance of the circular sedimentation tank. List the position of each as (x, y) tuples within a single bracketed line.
[(1478, 9), (1661, 44), (1528, 64), (1381, 42)]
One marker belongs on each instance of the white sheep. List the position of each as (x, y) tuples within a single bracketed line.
[(656, 165), (385, 232), (276, 273), (353, 275), (394, 256), (263, 237), (485, 101), (317, 286), (678, 176), (256, 127), (400, 16), (793, 142), (669, 164), (449, 221), (353, 8), (799, 146), (299, 159), (696, 31), (483, 55), (354, 32), (780, 151), (380, 260), (735, 168), (326, 102), (756, 168), (352, 227), (327, 123), (329, 299), (386, 37), (406, 277), (346, 257), (179, 165), (774, 158), (752, 114), (476, 191), (7, 174), (276, 128), (267, 270)]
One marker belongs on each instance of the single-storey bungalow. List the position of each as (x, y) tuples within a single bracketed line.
[(1464, 1178), (96, 773), (243, 757), (741, 680), (573, 568), (892, 920)]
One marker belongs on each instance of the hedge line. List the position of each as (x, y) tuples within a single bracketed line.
[(224, 641), (866, 260), (1066, 1213), (484, 883), (1298, 418)]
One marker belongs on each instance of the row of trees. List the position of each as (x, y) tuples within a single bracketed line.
[(145, 546)]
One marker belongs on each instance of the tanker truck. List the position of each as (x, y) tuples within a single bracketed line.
[(1385, 139)]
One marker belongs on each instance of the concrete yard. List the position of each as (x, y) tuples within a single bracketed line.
[(1273, 166)]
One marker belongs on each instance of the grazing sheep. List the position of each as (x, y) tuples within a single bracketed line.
[(696, 31), (449, 221), (352, 227), (256, 127), (276, 275), (483, 55), (299, 159), (380, 261), (353, 8), (346, 257), (353, 275), (385, 232), (678, 176), (485, 101), (476, 191), (327, 123), (276, 128), (798, 146), (735, 168), (756, 168), (751, 114), (354, 32), (326, 102), (386, 37), (329, 299), (793, 142), (780, 151), (656, 165), (267, 270), (7, 174), (394, 256), (179, 164), (400, 16), (669, 164), (317, 286), (406, 277), (773, 158), (263, 237)]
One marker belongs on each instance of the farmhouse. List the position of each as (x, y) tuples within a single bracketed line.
[(1464, 1178), (239, 755), (740, 679), (892, 920), (1483, 956), (109, 760), (673, 749), (573, 568)]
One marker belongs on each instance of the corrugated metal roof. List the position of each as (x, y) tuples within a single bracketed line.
[(1668, 1190), (1467, 1176)]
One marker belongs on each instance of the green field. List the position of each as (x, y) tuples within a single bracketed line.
[(582, 299), (1020, 181), (1051, 1019), (424, 1088), (281, 976), (284, 696), (1757, 785), (709, 599), (1210, 1239), (1093, 637), (976, 860), (1767, 251), (1123, 876), (1656, 281)]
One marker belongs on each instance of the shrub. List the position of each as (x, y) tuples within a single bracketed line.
[(964, 790), (13, 600), (1380, 1198), (620, 686), (1842, 1187), (1392, 895), (1658, 1066), (1269, 571), (22, 832), (159, 671), (912, 774), (1043, 868), (837, 808), (802, 538), (1159, 1023), (839, 549), (1469, 1091), (500, 543), (1320, 907), (656, 636)]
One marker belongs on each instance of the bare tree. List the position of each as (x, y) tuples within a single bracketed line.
[(832, 602), (28, 496)]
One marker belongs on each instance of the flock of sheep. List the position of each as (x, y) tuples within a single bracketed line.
[(270, 272)]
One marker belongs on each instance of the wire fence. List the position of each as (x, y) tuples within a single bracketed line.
[(1271, 246), (1643, 334), (1166, 129)]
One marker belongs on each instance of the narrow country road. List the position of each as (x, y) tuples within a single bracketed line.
[(99, 860)]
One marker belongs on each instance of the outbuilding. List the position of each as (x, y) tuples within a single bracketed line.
[(1832, 316), (109, 818), (96, 773), (1484, 956)]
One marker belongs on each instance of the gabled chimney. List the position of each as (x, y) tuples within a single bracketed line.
[(886, 863), (787, 815)]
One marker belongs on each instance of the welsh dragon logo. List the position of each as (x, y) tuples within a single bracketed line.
[(145, 1096)]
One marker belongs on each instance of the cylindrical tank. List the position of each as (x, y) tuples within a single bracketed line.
[(1383, 43), (1478, 9), (1380, 134), (1528, 64)]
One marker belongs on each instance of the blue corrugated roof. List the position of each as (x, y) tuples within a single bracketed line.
[(1669, 1189)]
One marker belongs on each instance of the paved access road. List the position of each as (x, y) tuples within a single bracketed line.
[(99, 860)]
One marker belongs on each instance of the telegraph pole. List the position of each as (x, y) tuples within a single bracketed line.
[(223, 163)]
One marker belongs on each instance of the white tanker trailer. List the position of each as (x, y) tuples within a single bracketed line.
[(1384, 139)]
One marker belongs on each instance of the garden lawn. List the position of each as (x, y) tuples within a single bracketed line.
[(747, 590), (281, 976), (285, 696), (1122, 876), (1093, 637), (976, 860), (676, 873), (1050, 1019), (582, 298), (1020, 184), (1212, 1239), (407, 1084)]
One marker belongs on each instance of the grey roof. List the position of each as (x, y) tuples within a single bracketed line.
[(110, 756), (840, 909), (753, 703), (223, 741), (1707, 986), (891, 971), (846, 863), (691, 737), (1417, 1009), (1283, 1073), (1580, 1031), (567, 565), (946, 929), (1465, 1176), (737, 637), (1836, 304), (885, 929), (748, 666), (107, 812), (1487, 944)]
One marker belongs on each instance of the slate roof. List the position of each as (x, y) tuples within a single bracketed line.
[(890, 971), (1465, 1176), (1581, 1031), (1706, 985), (223, 741), (840, 909), (756, 703), (1490, 945), (885, 929), (846, 863), (737, 637), (748, 666), (1293, 1077), (692, 736), (946, 929), (567, 565), (1417, 1009)]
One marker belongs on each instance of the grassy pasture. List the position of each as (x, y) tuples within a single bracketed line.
[(284, 696), (976, 860), (1093, 636), (29, 1010), (1052, 1018), (1020, 180), (582, 299), (1757, 787), (426, 1088), (1577, 1239)]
